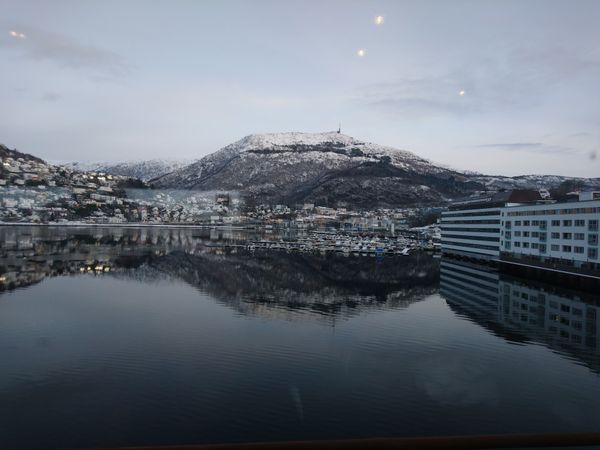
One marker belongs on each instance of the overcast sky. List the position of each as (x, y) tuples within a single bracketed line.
[(120, 80)]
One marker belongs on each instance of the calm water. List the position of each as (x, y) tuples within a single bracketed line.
[(149, 337)]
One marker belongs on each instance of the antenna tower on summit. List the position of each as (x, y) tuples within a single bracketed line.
[(340, 129)]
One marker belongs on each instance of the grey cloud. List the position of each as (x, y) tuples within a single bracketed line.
[(515, 145), (50, 97), (421, 96), (515, 78), (532, 147), (63, 50)]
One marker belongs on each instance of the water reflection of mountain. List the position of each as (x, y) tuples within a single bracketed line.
[(266, 283), (565, 321)]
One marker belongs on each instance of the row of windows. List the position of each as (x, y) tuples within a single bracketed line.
[(527, 223), (533, 245), (471, 230), (494, 212), (592, 253), (592, 238), (553, 212), (592, 223), (474, 222), (462, 244), (533, 234), (473, 238)]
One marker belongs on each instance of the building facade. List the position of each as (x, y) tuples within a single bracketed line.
[(472, 227), (560, 235), (516, 228)]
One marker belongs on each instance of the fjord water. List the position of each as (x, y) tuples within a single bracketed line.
[(122, 337)]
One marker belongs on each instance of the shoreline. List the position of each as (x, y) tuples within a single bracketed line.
[(124, 225)]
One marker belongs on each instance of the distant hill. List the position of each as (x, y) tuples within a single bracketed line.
[(328, 169), (5, 152), (336, 170), (143, 170)]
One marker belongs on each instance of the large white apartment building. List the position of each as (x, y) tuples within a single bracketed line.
[(559, 234), (517, 228)]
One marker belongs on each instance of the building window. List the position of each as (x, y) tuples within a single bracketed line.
[(580, 223), (507, 245), (567, 223), (517, 223), (593, 253), (555, 235), (567, 236), (517, 244), (525, 244), (535, 234), (525, 233), (526, 223), (507, 235), (566, 248), (542, 248), (543, 225), (579, 250), (535, 245), (555, 247), (579, 237), (593, 225), (556, 223), (507, 224), (517, 234), (593, 239)]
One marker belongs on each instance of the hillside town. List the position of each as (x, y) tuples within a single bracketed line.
[(33, 191)]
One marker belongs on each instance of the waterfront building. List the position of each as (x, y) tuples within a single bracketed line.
[(472, 227), (558, 236), (515, 227)]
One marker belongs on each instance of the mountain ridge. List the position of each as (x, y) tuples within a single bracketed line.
[(334, 169)]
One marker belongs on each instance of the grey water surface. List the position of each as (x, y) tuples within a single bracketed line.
[(123, 337)]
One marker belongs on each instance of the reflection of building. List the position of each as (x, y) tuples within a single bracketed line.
[(475, 287), (270, 283), (565, 320), (520, 229)]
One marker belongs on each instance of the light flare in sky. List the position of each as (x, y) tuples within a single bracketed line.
[(361, 52), (379, 20), (17, 35), (462, 93)]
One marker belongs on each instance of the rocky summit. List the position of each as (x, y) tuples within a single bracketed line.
[(323, 168), (334, 169)]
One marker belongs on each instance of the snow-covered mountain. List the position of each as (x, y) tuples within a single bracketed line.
[(338, 170), (492, 182), (143, 170), (324, 168)]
